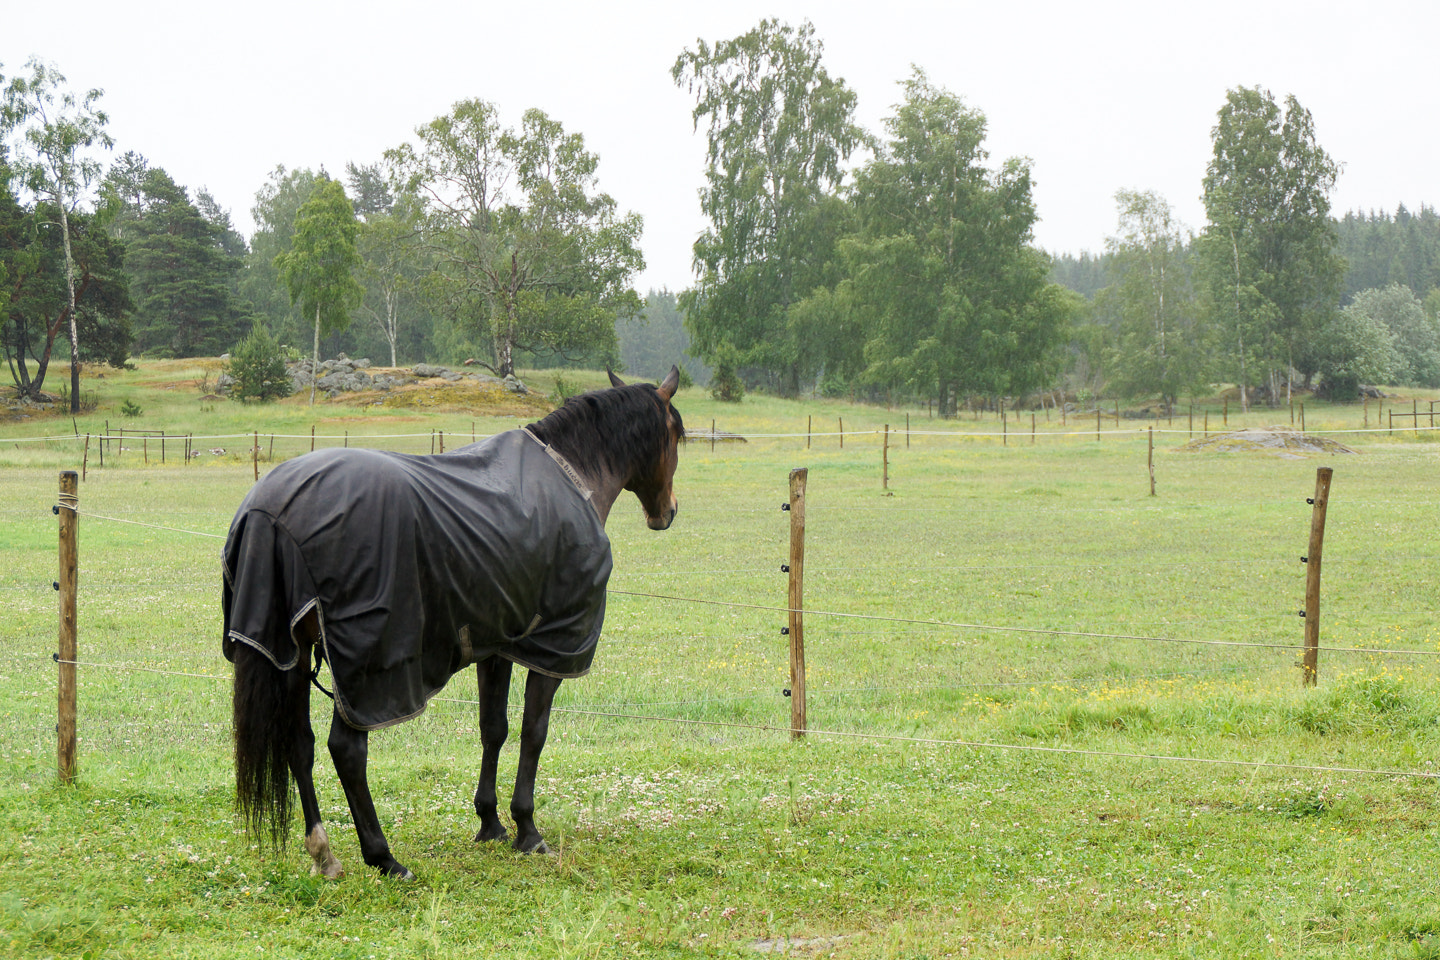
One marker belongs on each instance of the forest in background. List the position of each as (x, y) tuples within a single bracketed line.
[(897, 263)]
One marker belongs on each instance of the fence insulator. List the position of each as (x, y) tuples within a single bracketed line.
[(1304, 559), (784, 568), (783, 506), (786, 691), (784, 631), (1301, 613), (55, 584)]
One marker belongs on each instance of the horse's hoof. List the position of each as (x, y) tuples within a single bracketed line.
[(397, 871), (537, 847), (331, 871), (317, 844), (486, 834)]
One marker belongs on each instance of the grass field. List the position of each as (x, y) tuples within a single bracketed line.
[(1066, 719)]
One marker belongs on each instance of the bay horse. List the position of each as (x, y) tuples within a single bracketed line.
[(399, 571)]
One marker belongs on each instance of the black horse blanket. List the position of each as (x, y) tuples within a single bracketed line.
[(417, 567)]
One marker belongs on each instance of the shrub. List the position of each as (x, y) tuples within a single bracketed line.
[(257, 367), (725, 382)]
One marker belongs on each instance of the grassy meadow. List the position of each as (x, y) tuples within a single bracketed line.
[(1060, 717)]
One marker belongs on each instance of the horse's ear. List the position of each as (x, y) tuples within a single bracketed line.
[(671, 383), (614, 380)]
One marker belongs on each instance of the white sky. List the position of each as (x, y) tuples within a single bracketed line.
[(1101, 95)]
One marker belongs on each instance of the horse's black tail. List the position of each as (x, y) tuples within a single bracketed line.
[(265, 733)]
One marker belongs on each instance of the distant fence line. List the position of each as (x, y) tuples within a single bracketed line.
[(894, 431)]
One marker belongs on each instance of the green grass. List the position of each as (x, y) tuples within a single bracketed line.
[(1058, 831)]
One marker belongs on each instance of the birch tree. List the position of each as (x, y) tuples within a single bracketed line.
[(525, 245), (778, 130), (319, 269), (54, 161)]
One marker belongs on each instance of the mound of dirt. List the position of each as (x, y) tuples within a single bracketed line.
[(484, 399), (1279, 441)]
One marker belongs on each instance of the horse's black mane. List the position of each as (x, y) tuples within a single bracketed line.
[(621, 427)]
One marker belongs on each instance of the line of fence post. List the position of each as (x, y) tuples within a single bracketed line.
[(885, 460), (1150, 458), (1311, 613), (67, 508), (796, 602)]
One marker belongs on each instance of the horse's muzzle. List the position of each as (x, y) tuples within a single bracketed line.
[(663, 521)]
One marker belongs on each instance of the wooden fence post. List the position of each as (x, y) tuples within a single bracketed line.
[(1150, 457), (1311, 612), (885, 460), (842, 432), (796, 628), (255, 454), (68, 511)]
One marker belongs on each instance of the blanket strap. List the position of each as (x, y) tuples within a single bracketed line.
[(564, 465), (315, 672)]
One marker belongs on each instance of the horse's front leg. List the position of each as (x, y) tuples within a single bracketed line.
[(350, 750), (539, 695), (494, 675)]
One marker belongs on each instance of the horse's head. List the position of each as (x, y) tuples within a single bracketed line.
[(653, 482)]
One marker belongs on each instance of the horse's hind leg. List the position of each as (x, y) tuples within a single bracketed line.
[(302, 761), (494, 675), (350, 750), (539, 695)]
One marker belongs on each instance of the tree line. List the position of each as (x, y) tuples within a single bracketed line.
[(835, 259)]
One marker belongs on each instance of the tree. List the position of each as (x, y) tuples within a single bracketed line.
[(951, 294), (276, 203), (1381, 248), (779, 131), (319, 269), (258, 368), (1159, 345), (1414, 333), (180, 270), (38, 296), (1352, 348), (389, 244), (520, 234), (54, 164), (1269, 250)]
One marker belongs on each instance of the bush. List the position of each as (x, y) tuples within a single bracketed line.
[(257, 366), (725, 382)]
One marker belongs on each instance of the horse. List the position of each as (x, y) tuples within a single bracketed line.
[(399, 571)]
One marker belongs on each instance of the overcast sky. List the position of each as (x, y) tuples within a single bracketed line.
[(1100, 96)]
